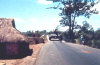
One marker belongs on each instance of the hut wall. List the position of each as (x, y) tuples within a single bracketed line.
[(8, 49), (2, 49), (12, 49), (23, 48)]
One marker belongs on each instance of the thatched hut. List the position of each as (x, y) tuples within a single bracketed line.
[(12, 42)]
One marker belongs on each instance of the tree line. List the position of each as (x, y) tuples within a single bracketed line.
[(86, 35), (34, 33)]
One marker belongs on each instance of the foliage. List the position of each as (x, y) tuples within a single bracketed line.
[(32, 33), (73, 9), (28, 33), (66, 37), (97, 38), (91, 37), (42, 32), (97, 35), (76, 8), (87, 33), (97, 43)]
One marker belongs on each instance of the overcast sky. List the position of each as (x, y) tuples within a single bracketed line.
[(33, 15)]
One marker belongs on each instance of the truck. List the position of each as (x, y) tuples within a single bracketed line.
[(54, 36)]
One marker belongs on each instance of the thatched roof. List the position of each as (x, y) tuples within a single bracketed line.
[(8, 32)]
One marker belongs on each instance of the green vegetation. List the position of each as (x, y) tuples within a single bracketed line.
[(86, 36), (34, 34), (75, 8)]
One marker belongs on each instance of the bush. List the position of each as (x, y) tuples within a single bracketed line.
[(97, 34), (97, 43), (89, 43)]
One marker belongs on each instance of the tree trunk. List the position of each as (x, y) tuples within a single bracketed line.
[(70, 28), (71, 25)]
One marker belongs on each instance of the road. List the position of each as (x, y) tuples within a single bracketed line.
[(64, 53)]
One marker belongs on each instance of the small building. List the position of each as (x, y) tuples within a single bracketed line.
[(12, 42)]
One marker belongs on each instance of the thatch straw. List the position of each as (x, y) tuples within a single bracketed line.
[(8, 32)]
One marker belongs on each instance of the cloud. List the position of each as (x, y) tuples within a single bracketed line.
[(33, 20), (52, 19), (19, 20), (44, 2), (43, 23)]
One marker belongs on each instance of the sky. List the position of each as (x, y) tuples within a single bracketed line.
[(33, 15)]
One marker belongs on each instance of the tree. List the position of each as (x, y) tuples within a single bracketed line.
[(73, 9), (43, 32), (87, 32), (97, 38), (97, 34), (29, 33)]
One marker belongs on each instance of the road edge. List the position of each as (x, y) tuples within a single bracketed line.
[(37, 54)]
